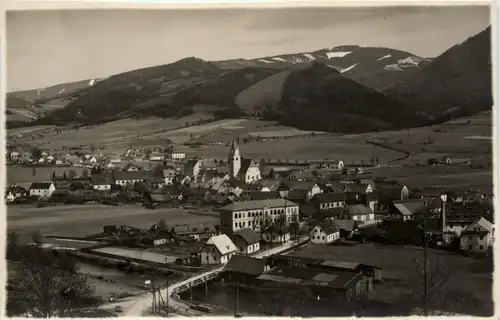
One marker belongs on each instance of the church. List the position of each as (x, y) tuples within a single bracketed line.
[(243, 169)]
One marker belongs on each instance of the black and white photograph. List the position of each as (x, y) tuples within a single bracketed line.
[(248, 161)]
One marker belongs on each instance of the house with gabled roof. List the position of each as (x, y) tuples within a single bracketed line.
[(329, 200), (131, 167), (478, 236), (358, 212), (42, 190), (246, 240), (407, 209), (325, 232), (128, 178), (217, 250), (102, 181), (347, 227)]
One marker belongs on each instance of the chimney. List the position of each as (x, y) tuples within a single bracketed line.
[(444, 198)]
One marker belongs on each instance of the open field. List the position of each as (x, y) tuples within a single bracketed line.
[(24, 175), (444, 176), (137, 254), (312, 148), (467, 274), (84, 220)]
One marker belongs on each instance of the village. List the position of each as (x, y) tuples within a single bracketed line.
[(267, 221)]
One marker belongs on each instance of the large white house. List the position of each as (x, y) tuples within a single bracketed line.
[(42, 190), (253, 214), (244, 169), (325, 232), (217, 250), (477, 237)]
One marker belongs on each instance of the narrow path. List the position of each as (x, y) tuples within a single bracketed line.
[(407, 155)]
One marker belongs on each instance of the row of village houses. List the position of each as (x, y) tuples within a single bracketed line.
[(250, 205), (90, 159)]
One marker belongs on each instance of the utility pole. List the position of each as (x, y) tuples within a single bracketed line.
[(236, 306), (426, 228)]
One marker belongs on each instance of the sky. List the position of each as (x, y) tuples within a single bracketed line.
[(51, 47)]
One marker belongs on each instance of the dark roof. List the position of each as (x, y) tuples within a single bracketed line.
[(126, 175), (237, 183), (297, 195), (258, 205), (102, 179), (298, 185), (329, 197), (307, 210), (262, 195), (130, 165), (312, 276), (355, 187), (328, 227), (245, 164), (40, 185), (358, 209), (411, 206), (468, 212), (246, 265), (248, 235), (343, 224), (474, 232), (190, 163)]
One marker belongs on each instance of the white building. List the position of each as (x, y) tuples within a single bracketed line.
[(357, 212), (169, 176), (244, 169), (217, 250), (324, 233), (246, 240), (253, 214), (177, 155), (157, 156), (128, 178), (101, 182), (42, 190), (14, 155), (477, 237)]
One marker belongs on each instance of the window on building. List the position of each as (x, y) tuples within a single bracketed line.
[(323, 237), (480, 247)]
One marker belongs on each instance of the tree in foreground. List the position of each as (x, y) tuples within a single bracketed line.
[(44, 285)]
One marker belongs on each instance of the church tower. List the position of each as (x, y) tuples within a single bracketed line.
[(234, 160)]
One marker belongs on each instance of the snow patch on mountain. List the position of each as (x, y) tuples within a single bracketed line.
[(392, 67), (265, 61), (61, 91), (91, 83), (384, 57), (348, 68), (297, 60), (309, 56), (339, 54), (279, 59), (409, 61)]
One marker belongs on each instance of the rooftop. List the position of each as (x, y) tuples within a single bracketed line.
[(246, 265), (258, 204)]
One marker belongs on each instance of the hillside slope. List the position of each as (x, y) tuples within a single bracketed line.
[(375, 67), (458, 82), (318, 97)]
